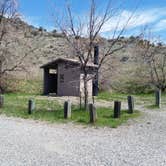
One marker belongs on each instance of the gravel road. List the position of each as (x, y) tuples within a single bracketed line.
[(141, 142)]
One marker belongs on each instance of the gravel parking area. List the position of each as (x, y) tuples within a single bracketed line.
[(141, 142)]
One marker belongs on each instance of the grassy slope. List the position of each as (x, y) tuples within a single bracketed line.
[(52, 111)]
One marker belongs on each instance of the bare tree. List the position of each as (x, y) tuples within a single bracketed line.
[(82, 36), (12, 61), (153, 56), (8, 11)]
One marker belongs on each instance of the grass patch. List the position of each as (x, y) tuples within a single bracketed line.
[(108, 96), (152, 107), (52, 111), (141, 98)]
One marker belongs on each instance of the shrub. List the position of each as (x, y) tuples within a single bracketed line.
[(34, 33)]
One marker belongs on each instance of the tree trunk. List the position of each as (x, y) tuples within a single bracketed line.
[(1, 84), (1, 89), (85, 92)]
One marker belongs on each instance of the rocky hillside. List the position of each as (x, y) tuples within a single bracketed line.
[(39, 47)]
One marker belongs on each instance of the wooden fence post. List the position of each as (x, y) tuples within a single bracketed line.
[(130, 100), (31, 106), (158, 98), (92, 113), (1, 101), (117, 109), (67, 109)]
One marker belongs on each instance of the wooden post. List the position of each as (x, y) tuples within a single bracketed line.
[(1, 101), (92, 113), (158, 98), (31, 106), (130, 100), (117, 109), (67, 109)]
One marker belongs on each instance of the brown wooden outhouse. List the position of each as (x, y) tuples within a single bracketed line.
[(64, 77)]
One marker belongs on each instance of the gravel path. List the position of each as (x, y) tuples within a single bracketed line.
[(141, 142)]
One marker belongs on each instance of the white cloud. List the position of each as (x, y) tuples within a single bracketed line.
[(160, 26), (138, 19), (155, 18)]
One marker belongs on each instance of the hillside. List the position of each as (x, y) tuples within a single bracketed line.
[(119, 72), (41, 46)]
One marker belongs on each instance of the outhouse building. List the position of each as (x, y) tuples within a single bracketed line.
[(64, 77)]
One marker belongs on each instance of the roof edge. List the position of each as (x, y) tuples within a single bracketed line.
[(68, 60)]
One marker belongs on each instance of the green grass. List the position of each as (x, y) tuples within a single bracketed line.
[(108, 96), (152, 107), (105, 117), (52, 111), (143, 98)]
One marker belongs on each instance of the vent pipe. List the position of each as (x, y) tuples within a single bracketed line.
[(96, 55), (96, 62)]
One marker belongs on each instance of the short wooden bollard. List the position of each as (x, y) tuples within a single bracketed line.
[(158, 98), (1, 101), (67, 109), (117, 109), (92, 113), (31, 106), (130, 100)]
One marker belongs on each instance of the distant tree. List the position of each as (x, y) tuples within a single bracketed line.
[(160, 44), (41, 29), (132, 37), (83, 36), (153, 56), (54, 31), (35, 33)]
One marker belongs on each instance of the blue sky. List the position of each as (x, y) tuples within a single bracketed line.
[(149, 12)]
